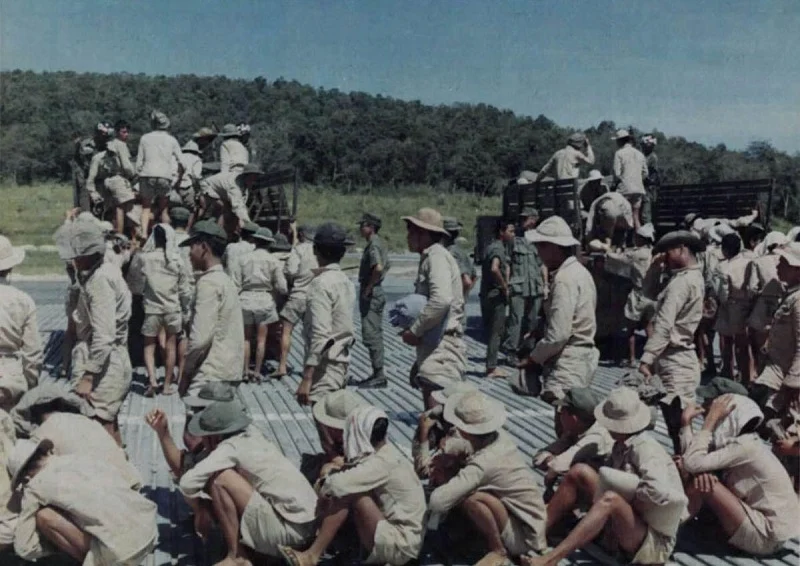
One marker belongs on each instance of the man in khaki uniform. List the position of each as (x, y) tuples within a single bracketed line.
[(496, 489), (299, 271), (468, 272), (185, 182), (630, 171), (98, 520), (330, 415), (566, 162), (566, 353), (20, 344), (50, 412), (224, 198), (9, 499), (111, 170), (526, 286), (753, 498), (778, 385), (235, 250), (215, 350), (328, 326), (734, 308), (669, 351), (372, 301), (260, 500), (764, 292), (101, 367), (233, 154), (438, 279), (259, 278), (639, 495), (379, 491)]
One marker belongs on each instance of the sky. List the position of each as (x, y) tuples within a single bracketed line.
[(713, 71)]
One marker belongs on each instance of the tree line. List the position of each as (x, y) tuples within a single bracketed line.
[(353, 141)]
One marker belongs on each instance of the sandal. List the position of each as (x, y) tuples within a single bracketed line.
[(289, 556), (276, 375), (151, 391)]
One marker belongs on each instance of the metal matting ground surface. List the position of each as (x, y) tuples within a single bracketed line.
[(275, 412)]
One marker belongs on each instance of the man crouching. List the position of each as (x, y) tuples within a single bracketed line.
[(257, 496)]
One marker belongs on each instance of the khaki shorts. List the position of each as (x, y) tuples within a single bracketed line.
[(656, 548), (119, 190), (264, 530), (635, 199), (328, 377), (573, 367), (111, 385), (519, 538), (154, 187), (183, 197), (153, 323), (295, 309), (751, 536), (446, 364), (7, 527), (12, 378), (259, 317), (393, 546)]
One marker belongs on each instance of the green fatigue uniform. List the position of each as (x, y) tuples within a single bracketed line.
[(101, 326), (328, 330), (651, 184), (526, 290), (493, 301), (84, 150), (465, 264), (371, 307)]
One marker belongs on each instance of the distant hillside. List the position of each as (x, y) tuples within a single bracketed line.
[(349, 140)]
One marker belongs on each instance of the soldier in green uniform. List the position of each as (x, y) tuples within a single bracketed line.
[(468, 272), (526, 286), (372, 301), (495, 293)]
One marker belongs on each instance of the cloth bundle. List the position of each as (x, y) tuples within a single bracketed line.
[(405, 311)]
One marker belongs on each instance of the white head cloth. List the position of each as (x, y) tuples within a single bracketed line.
[(358, 430)]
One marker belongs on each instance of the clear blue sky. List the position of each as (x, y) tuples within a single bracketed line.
[(710, 70)]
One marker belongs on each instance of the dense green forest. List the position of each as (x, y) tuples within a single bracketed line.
[(354, 141)]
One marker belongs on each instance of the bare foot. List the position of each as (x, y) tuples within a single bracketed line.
[(496, 374), (526, 560), (292, 557), (229, 561), (493, 559)]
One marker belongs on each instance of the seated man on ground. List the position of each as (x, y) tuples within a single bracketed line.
[(753, 498), (9, 499), (378, 488), (50, 412), (639, 498), (258, 498), (496, 489), (180, 461), (98, 520), (581, 439), (330, 416), (433, 429)]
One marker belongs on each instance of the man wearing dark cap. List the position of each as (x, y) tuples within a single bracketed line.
[(468, 272), (670, 351), (328, 324), (526, 286), (215, 350), (566, 162), (372, 301)]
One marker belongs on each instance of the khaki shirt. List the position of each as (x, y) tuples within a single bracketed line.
[(258, 276), (783, 344), (752, 472), (76, 434), (630, 170), (192, 170), (167, 287), (299, 268), (678, 313), (264, 467), (526, 269), (659, 480), (233, 156), (566, 162), (376, 253), (8, 437), (439, 279), (570, 312), (158, 153), (592, 447), (99, 501), (497, 469), (101, 319), (390, 478), (731, 282), (223, 186), (120, 149), (328, 325), (761, 278), (20, 343), (233, 252), (215, 351), (638, 261)]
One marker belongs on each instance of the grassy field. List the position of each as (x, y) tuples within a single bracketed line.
[(31, 214)]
